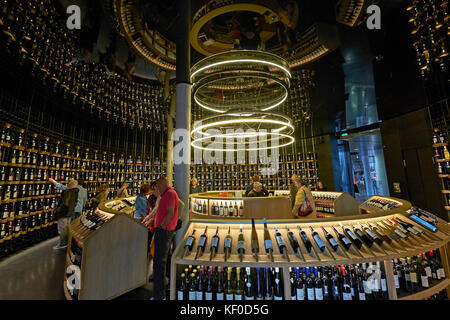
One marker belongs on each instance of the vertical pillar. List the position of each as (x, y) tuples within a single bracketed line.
[(183, 109), (170, 116)]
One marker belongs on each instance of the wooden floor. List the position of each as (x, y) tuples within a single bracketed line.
[(36, 273)]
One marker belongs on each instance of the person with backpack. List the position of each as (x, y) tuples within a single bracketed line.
[(82, 196), (64, 212)]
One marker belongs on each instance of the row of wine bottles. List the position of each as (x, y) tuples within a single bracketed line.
[(365, 281), (35, 35), (412, 274), (384, 230), (382, 203)]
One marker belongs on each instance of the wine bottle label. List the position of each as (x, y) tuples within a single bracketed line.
[(428, 271), (249, 298), (310, 292), (238, 297), (346, 241), (351, 234), (280, 241), (208, 295), (333, 242), (277, 298), (401, 234), (319, 241), (407, 277), (294, 297), (383, 285), (214, 242), (228, 243), (300, 294), (219, 296), (371, 234), (180, 295), (375, 284), (413, 277), (319, 293), (325, 290), (240, 244), (352, 290), (424, 281), (346, 296), (441, 273), (229, 296), (199, 295), (362, 296), (189, 241), (268, 244), (202, 241), (192, 295), (367, 287)]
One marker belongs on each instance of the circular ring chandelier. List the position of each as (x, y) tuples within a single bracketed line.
[(244, 80), (240, 87), (243, 131)]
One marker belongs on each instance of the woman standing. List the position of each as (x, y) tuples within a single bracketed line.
[(123, 192), (141, 202), (100, 196), (194, 188), (304, 200)]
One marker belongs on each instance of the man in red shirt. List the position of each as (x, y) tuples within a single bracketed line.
[(165, 223)]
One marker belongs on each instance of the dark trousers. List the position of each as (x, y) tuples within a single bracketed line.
[(162, 239), (75, 215), (150, 236)]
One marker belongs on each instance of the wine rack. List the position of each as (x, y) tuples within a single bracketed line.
[(429, 27), (35, 35), (380, 204), (27, 198), (99, 243), (330, 204), (238, 176), (393, 243)]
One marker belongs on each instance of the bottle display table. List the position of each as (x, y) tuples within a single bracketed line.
[(378, 238), (106, 255)]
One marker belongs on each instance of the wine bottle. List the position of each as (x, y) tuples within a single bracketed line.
[(259, 284), (254, 240), (299, 286), (343, 239), (189, 244), (277, 287), (318, 286), (267, 241), (294, 243), (193, 288), (305, 239), (181, 293), (241, 244), (379, 233), (229, 293), (346, 290), (393, 230), (249, 295), (209, 286), (227, 244), (280, 243), (239, 294), (333, 243), (268, 285), (364, 238), (351, 235), (371, 234), (220, 289), (201, 244), (310, 290), (318, 240), (214, 245)]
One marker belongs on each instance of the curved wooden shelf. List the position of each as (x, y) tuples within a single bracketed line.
[(428, 292)]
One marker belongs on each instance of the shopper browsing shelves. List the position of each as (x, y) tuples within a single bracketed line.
[(194, 187), (82, 196), (122, 192), (100, 196), (293, 189), (250, 187), (257, 190), (304, 200), (64, 211), (165, 223), (140, 205)]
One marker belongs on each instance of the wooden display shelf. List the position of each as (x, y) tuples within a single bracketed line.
[(414, 245), (428, 292), (443, 160), (108, 267)]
